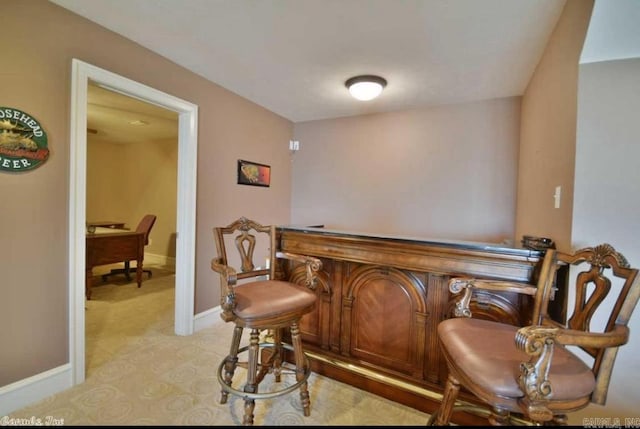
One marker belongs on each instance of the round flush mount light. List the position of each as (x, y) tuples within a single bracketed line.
[(138, 123), (365, 87)]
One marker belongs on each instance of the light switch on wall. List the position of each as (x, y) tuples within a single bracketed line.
[(556, 197)]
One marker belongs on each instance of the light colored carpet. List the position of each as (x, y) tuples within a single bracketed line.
[(140, 373)]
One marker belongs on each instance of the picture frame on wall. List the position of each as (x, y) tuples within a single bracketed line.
[(253, 173)]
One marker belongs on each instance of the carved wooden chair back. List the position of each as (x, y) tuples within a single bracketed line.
[(238, 246), (602, 275), (245, 234)]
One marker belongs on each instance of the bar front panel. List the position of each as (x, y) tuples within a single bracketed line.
[(376, 326)]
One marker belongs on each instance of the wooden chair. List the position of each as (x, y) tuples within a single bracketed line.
[(252, 297), (145, 226), (531, 373)]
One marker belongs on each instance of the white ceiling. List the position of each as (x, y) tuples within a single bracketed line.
[(293, 56), (117, 118)]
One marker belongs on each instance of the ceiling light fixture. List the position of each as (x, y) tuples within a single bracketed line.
[(138, 122), (366, 87)]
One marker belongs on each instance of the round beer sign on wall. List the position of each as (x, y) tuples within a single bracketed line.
[(23, 142)]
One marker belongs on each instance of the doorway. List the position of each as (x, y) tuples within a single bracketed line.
[(132, 154), (82, 74)]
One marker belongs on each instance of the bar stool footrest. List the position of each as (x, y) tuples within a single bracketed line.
[(264, 395)]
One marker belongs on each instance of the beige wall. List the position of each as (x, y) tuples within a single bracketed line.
[(443, 172), (127, 181), (607, 201), (104, 188), (548, 131), (40, 40)]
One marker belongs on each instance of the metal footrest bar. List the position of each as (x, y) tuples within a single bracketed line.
[(478, 411), (265, 395)]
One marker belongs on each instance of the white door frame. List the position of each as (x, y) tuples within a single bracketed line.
[(186, 200)]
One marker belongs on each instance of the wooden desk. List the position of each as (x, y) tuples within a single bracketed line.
[(109, 247), (376, 327), (107, 224)]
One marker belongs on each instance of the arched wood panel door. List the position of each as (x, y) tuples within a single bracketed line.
[(384, 314)]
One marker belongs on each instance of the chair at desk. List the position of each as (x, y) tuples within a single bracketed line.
[(144, 226), (532, 372)]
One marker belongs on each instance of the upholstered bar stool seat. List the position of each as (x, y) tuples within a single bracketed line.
[(259, 303), (484, 349)]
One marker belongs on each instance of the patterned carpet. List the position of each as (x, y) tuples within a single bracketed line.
[(140, 373)]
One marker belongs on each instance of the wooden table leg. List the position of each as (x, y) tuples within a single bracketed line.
[(139, 272), (87, 283)]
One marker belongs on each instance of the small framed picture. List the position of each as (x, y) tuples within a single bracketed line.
[(254, 174)]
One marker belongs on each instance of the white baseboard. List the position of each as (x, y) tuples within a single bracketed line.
[(206, 319), (152, 258), (33, 389), (29, 390)]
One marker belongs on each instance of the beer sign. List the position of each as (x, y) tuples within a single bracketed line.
[(23, 142)]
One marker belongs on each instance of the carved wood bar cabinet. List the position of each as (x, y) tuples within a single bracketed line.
[(375, 328)]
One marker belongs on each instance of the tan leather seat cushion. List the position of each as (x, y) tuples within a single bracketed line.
[(486, 351), (263, 299)]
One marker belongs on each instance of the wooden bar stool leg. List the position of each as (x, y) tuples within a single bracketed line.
[(249, 406), (278, 350), (448, 400), (300, 367), (231, 362), (252, 371)]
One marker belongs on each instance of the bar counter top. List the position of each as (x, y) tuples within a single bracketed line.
[(446, 257), (454, 244)]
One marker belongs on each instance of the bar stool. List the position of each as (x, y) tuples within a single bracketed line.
[(252, 298)]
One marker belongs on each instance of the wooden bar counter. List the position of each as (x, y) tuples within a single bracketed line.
[(375, 328)]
